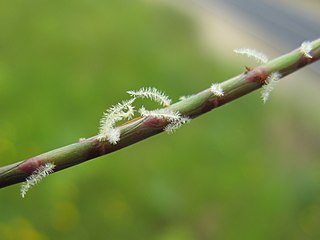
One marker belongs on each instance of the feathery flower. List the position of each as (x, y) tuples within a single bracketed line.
[(250, 52), (153, 94), (116, 113), (160, 113), (36, 177), (175, 124), (216, 89), (113, 135), (272, 81), (176, 120)]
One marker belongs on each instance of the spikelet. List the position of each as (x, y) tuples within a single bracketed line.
[(36, 177), (216, 89), (153, 94), (272, 81), (306, 48), (250, 52)]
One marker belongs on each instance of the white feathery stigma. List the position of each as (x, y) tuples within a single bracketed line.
[(216, 89), (160, 113), (125, 110), (36, 177), (306, 48), (153, 94), (250, 52), (112, 135), (111, 116), (176, 120), (272, 81), (175, 124)]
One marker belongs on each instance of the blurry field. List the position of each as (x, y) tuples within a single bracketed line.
[(243, 171)]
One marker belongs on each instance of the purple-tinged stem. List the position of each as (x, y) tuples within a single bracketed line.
[(144, 127)]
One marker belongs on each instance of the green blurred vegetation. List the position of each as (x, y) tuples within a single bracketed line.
[(244, 171)]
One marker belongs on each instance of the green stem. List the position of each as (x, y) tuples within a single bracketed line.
[(141, 128)]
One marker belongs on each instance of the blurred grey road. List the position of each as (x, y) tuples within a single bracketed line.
[(287, 26)]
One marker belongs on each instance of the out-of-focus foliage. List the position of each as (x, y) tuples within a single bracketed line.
[(244, 171)]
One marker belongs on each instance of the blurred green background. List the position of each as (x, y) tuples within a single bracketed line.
[(243, 171)]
